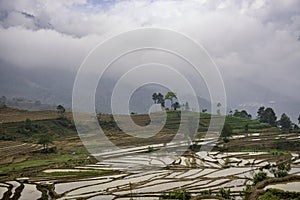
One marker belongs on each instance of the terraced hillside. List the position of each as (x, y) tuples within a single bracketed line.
[(243, 155), (20, 152), (8, 115), (13, 151), (173, 121)]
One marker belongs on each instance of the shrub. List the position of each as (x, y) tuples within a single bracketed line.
[(206, 192), (282, 170), (260, 176), (276, 194), (150, 149), (268, 196), (247, 191), (224, 193), (177, 194)]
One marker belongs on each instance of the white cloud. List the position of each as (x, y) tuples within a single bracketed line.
[(43, 48), (251, 40)]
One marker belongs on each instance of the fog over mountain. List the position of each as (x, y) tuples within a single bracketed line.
[(254, 44)]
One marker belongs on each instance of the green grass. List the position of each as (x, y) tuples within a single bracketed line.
[(38, 163), (237, 123), (55, 127)]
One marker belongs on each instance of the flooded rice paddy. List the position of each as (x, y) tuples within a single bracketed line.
[(195, 173), (291, 186), (145, 176)]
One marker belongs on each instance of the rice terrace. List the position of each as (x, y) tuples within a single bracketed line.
[(250, 164)]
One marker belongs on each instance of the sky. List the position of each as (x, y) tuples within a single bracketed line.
[(255, 43)]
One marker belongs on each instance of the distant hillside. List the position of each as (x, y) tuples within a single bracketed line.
[(8, 115), (258, 136), (43, 89), (24, 104)]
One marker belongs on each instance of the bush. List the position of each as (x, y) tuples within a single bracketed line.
[(49, 150), (282, 170), (7, 137), (224, 193), (225, 139), (177, 194), (276, 194), (29, 128), (150, 149), (206, 192), (260, 176), (268, 196), (247, 191)]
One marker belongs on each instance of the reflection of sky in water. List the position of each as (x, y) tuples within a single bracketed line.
[(292, 186)]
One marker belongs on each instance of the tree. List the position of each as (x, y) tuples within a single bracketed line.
[(161, 100), (267, 115), (270, 116), (218, 110), (45, 140), (186, 106), (260, 176), (260, 113), (227, 130), (170, 96), (285, 122), (175, 106), (27, 128), (299, 119), (155, 97), (60, 110), (282, 170), (242, 114), (246, 127), (28, 124)]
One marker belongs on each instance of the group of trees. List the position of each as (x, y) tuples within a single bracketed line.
[(242, 114), (267, 115), (159, 98)]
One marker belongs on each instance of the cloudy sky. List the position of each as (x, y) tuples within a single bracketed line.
[(255, 43)]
